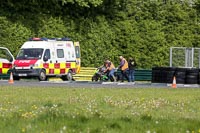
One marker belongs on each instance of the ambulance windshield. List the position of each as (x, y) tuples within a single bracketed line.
[(28, 54)]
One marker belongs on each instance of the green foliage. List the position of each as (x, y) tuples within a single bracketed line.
[(13, 34), (105, 29), (52, 27)]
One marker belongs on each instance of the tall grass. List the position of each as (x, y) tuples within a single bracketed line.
[(90, 110)]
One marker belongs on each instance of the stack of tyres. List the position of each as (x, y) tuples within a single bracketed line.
[(163, 74), (155, 75), (192, 76), (180, 75), (199, 77), (183, 75), (170, 72)]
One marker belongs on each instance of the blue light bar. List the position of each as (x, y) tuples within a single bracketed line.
[(66, 39), (46, 39), (38, 39)]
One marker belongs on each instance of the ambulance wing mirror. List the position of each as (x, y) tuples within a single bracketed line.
[(45, 58), (11, 59)]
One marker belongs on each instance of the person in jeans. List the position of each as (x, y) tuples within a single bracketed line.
[(124, 68), (131, 66), (110, 68)]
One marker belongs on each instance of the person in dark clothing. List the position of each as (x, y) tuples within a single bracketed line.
[(131, 65)]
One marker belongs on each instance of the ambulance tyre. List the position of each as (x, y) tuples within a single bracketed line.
[(42, 76), (69, 76), (16, 78)]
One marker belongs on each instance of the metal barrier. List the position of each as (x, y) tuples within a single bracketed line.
[(4, 76), (140, 74)]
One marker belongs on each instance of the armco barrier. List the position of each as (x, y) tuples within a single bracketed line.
[(143, 75), (140, 74), (4, 76)]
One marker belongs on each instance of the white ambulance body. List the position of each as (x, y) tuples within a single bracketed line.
[(42, 58), (6, 61)]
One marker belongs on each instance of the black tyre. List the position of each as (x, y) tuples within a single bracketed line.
[(16, 78), (42, 76), (95, 78), (180, 81), (170, 75), (193, 71), (190, 81), (69, 76)]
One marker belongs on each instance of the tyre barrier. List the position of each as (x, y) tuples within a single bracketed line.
[(192, 76), (183, 75), (163, 74)]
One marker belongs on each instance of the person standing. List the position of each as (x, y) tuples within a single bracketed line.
[(110, 68), (131, 65), (124, 68)]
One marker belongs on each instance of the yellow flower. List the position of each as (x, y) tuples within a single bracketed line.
[(23, 130)]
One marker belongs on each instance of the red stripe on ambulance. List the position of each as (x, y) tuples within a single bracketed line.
[(7, 65), (46, 65), (62, 71), (68, 65), (57, 65)]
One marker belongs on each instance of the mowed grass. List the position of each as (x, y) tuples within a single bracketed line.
[(94, 110)]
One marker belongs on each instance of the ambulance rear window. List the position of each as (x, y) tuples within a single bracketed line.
[(77, 50)]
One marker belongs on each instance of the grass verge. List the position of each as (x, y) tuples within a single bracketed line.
[(59, 109)]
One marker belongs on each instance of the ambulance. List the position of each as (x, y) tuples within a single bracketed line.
[(43, 58), (6, 61)]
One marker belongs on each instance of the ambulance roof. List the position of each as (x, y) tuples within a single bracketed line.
[(35, 44)]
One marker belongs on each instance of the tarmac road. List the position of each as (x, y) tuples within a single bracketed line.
[(88, 84)]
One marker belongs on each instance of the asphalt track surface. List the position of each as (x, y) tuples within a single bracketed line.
[(89, 84)]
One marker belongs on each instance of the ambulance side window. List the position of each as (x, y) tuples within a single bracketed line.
[(60, 53), (47, 55)]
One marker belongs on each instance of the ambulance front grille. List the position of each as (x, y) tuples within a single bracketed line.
[(23, 71)]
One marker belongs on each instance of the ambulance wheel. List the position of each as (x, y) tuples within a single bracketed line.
[(69, 76), (16, 78), (42, 76)]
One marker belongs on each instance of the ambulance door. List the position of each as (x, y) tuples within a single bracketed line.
[(49, 59), (70, 56), (6, 60), (78, 56), (60, 64)]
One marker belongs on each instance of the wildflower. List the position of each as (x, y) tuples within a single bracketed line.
[(187, 131), (148, 132), (64, 128), (23, 130)]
